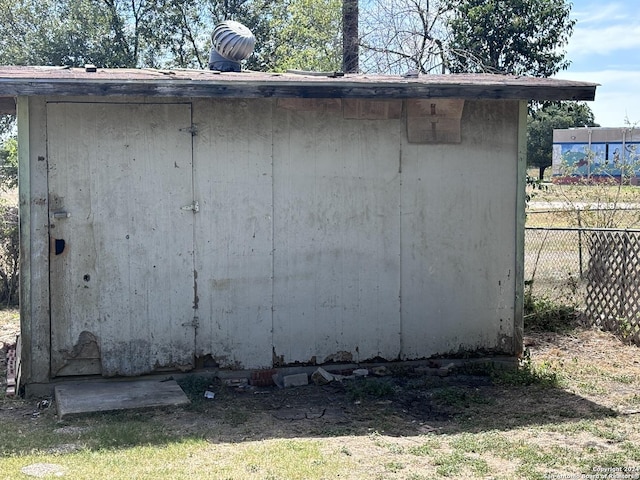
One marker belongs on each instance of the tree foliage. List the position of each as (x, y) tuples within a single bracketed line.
[(521, 37), (541, 123), (402, 35), (166, 33), (9, 164), (306, 35)]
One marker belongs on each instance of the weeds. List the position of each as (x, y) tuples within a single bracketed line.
[(542, 314), (528, 374), (369, 387)]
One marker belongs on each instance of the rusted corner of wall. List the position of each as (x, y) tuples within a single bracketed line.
[(83, 359), (434, 120), (365, 109)]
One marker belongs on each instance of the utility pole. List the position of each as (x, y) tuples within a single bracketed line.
[(350, 36)]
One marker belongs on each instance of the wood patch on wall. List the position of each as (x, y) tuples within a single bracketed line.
[(434, 120), (364, 109), (325, 105)]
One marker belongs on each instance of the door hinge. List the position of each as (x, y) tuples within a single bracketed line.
[(193, 206)]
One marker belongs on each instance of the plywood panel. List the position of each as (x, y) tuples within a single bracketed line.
[(459, 236), (233, 183), (336, 238), (122, 287)]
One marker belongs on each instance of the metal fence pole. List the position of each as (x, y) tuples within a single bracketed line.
[(580, 245)]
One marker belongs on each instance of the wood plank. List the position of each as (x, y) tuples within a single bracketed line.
[(434, 120), (202, 83), (311, 104), (74, 398), (266, 90), (336, 238), (458, 237), (234, 231), (372, 109), (125, 275)]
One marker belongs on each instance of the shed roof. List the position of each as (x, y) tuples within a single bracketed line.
[(39, 80)]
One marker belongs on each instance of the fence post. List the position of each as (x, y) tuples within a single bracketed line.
[(580, 245)]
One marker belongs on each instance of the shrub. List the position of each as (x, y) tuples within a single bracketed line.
[(9, 254)]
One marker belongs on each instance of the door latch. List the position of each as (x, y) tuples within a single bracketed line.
[(193, 206), (193, 323), (61, 214)]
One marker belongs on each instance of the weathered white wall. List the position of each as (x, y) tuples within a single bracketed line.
[(234, 230), (321, 238), (122, 174), (459, 236), (337, 237)]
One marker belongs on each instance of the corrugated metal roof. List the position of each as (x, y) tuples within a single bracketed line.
[(38, 80)]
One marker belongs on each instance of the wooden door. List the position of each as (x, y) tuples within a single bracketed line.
[(121, 228)]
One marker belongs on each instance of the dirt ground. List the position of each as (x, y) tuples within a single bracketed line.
[(599, 378)]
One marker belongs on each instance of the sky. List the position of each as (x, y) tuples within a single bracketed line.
[(605, 49)]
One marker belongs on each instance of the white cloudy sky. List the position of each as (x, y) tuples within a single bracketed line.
[(605, 49)]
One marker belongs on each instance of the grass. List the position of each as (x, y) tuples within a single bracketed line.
[(557, 414), (570, 410)]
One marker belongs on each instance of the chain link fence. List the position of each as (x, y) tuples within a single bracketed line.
[(554, 264), (595, 270)]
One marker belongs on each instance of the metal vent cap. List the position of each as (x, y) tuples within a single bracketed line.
[(232, 40)]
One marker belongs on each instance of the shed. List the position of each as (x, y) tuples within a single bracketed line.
[(173, 220)]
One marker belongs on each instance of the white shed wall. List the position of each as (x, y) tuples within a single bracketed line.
[(337, 237), (321, 238), (459, 236)]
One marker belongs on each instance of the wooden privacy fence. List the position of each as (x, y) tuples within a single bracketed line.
[(597, 270)]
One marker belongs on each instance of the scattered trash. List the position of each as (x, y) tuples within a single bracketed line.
[(209, 394), (446, 370), (322, 377), (235, 382), (277, 380), (380, 371), (262, 378), (295, 380)]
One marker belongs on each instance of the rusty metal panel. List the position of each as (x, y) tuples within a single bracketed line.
[(336, 238), (121, 245), (234, 231), (459, 229)]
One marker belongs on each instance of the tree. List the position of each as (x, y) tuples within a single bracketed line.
[(61, 32), (402, 35), (541, 123), (521, 37), (306, 35), (9, 164)]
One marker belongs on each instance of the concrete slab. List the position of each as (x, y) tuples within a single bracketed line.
[(86, 397)]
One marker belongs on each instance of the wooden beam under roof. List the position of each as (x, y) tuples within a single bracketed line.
[(36, 81)]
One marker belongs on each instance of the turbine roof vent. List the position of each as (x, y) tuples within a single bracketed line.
[(231, 42)]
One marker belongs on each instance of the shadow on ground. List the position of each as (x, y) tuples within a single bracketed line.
[(404, 403)]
